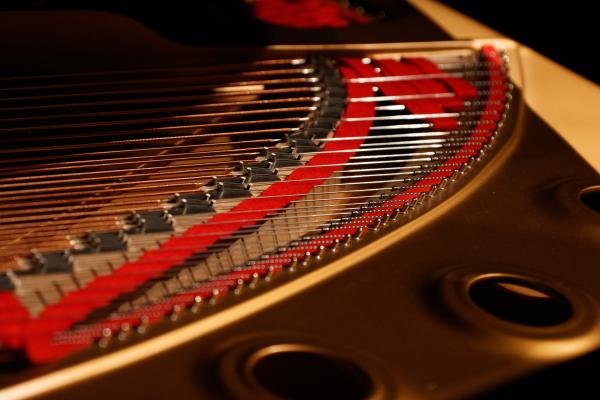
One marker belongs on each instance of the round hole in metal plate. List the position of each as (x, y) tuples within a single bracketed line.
[(521, 301), (305, 374), (591, 198)]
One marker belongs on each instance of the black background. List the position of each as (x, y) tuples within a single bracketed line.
[(566, 31)]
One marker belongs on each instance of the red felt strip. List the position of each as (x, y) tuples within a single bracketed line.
[(421, 86), (461, 87), (307, 13)]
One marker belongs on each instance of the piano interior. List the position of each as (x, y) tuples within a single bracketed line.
[(344, 203)]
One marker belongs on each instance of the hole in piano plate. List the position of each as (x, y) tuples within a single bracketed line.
[(591, 198), (304, 372), (521, 301)]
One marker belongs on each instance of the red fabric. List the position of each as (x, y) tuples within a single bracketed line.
[(307, 13), (421, 86), (463, 89)]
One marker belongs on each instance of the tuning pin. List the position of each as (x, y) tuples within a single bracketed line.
[(385, 218), (270, 273), (358, 233), (404, 209), (444, 184), (105, 338), (124, 331), (455, 175), (214, 295), (195, 307), (175, 312), (376, 224), (306, 259), (239, 286), (481, 153), (432, 191), (334, 245), (347, 239), (255, 280), (320, 252), (143, 326), (471, 162), (413, 203), (293, 264)]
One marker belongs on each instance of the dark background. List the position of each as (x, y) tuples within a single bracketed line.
[(565, 31)]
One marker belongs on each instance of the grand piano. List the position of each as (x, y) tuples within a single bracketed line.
[(292, 199)]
